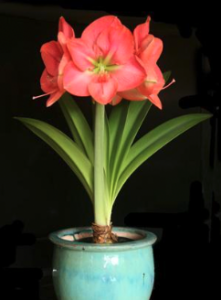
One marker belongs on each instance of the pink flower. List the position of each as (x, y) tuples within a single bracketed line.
[(103, 61), (148, 50), (55, 57)]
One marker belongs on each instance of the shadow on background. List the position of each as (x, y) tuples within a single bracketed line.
[(16, 283)]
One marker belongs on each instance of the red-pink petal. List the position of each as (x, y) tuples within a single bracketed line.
[(130, 75), (64, 27), (81, 54), (51, 54), (151, 49), (91, 32), (152, 85), (64, 61), (155, 100), (141, 32), (63, 42), (62, 39), (117, 43), (103, 89), (75, 81), (48, 83), (116, 100), (154, 81), (160, 78), (65, 33), (133, 95), (53, 98)]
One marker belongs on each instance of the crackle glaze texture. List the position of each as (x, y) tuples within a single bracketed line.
[(86, 271)]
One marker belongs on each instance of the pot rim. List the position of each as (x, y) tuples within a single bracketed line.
[(141, 238)]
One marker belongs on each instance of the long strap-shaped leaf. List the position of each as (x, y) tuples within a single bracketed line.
[(130, 125), (117, 121), (66, 148), (106, 146), (151, 142), (78, 125), (116, 124), (136, 114)]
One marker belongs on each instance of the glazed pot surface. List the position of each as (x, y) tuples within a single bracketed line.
[(87, 271)]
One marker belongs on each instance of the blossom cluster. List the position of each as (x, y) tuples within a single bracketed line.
[(108, 62)]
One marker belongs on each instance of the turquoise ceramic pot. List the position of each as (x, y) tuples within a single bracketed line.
[(87, 271)]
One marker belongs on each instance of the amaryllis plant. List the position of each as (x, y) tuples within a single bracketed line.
[(109, 63)]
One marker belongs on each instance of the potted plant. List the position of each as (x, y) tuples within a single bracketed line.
[(109, 63)]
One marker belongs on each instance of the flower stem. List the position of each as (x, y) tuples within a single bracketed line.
[(100, 208)]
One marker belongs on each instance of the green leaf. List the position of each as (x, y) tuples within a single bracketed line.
[(116, 125), (167, 75), (66, 148), (106, 145), (136, 113), (78, 125), (157, 138)]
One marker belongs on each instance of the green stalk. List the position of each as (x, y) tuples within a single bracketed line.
[(100, 205)]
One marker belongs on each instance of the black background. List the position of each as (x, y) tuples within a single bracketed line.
[(176, 194)]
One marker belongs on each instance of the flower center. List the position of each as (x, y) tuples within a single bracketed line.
[(99, 66), (102, 66)]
